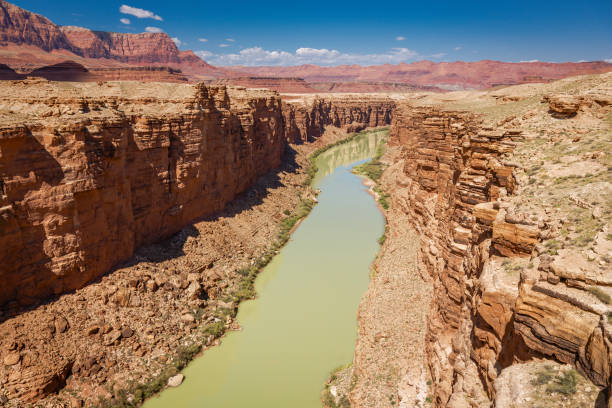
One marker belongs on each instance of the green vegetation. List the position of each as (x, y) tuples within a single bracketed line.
[(600, 294), (374, 168), (329, 401), (563, 383), (140, 392), (553, 246), (312, 170), (383, 237), (383, 198), (214, 329), (544, 376)]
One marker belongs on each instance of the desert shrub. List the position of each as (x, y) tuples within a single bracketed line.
[(564, 384), (214, 329), (600, 294)]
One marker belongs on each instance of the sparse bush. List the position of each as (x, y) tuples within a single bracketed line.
[(600, 294), (564, 384), (214, 329)]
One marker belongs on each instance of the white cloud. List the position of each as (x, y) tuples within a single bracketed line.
[(400, 38), (438, 55), (533, 60), (224, 45), (203, 39), (153, 30), (125, 20), (609, 60), (203, 54), (457, 48), (322, 56), (176, 41), (138, 12), (230, 39)]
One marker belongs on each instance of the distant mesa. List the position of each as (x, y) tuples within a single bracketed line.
[(30, 42), (63, 71)]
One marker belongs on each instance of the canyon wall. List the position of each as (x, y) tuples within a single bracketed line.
[(482, 318), (91, 171), (87, 179), (305, 120)]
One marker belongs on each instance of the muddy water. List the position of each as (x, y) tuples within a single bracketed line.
[(303, 322)]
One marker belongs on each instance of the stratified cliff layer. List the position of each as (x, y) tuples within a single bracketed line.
[(306, 117), (515, 240), (91, 172)]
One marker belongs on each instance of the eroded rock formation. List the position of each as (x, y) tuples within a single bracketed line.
[(306, 120), (92, 171), (87, 179), (484, 318)]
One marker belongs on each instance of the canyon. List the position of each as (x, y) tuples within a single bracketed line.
[(485, 286), (142, 190)]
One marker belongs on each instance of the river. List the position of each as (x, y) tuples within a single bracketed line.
[(303, 322)]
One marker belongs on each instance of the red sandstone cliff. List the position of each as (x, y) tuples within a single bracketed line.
[(19, 27), (305, 121), (92, 171), (88, 179), (483, 319)]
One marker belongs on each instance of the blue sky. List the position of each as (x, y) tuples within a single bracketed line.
[(346, 32)]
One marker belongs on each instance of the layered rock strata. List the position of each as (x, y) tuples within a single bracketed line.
[(306, 120), (87, 179), (92, 171), (483, 318)]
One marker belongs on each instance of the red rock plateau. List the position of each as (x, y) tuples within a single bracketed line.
[(29, 40), (445, 75), (75, 72), (282, 85)]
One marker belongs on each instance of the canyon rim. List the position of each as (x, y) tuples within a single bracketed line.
[(144, 187)]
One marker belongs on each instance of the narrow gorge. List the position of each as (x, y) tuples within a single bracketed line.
[(135, 217)]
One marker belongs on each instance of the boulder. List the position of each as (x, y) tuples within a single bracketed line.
[(176, 380)]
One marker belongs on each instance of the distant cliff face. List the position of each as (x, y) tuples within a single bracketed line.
[(18, 26), (21, 27), (305, 121), (448, 75), (143, 48)]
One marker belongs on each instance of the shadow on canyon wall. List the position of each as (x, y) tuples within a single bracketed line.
[(170, 247)]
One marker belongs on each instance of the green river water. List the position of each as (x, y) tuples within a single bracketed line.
[(303, 322)]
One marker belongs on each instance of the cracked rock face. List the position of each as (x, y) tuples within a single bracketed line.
[(90, 175), (496, 302)]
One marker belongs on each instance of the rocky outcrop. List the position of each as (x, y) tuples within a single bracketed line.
[(90, 174), (496, 302), (21, 27), (305, 121)]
